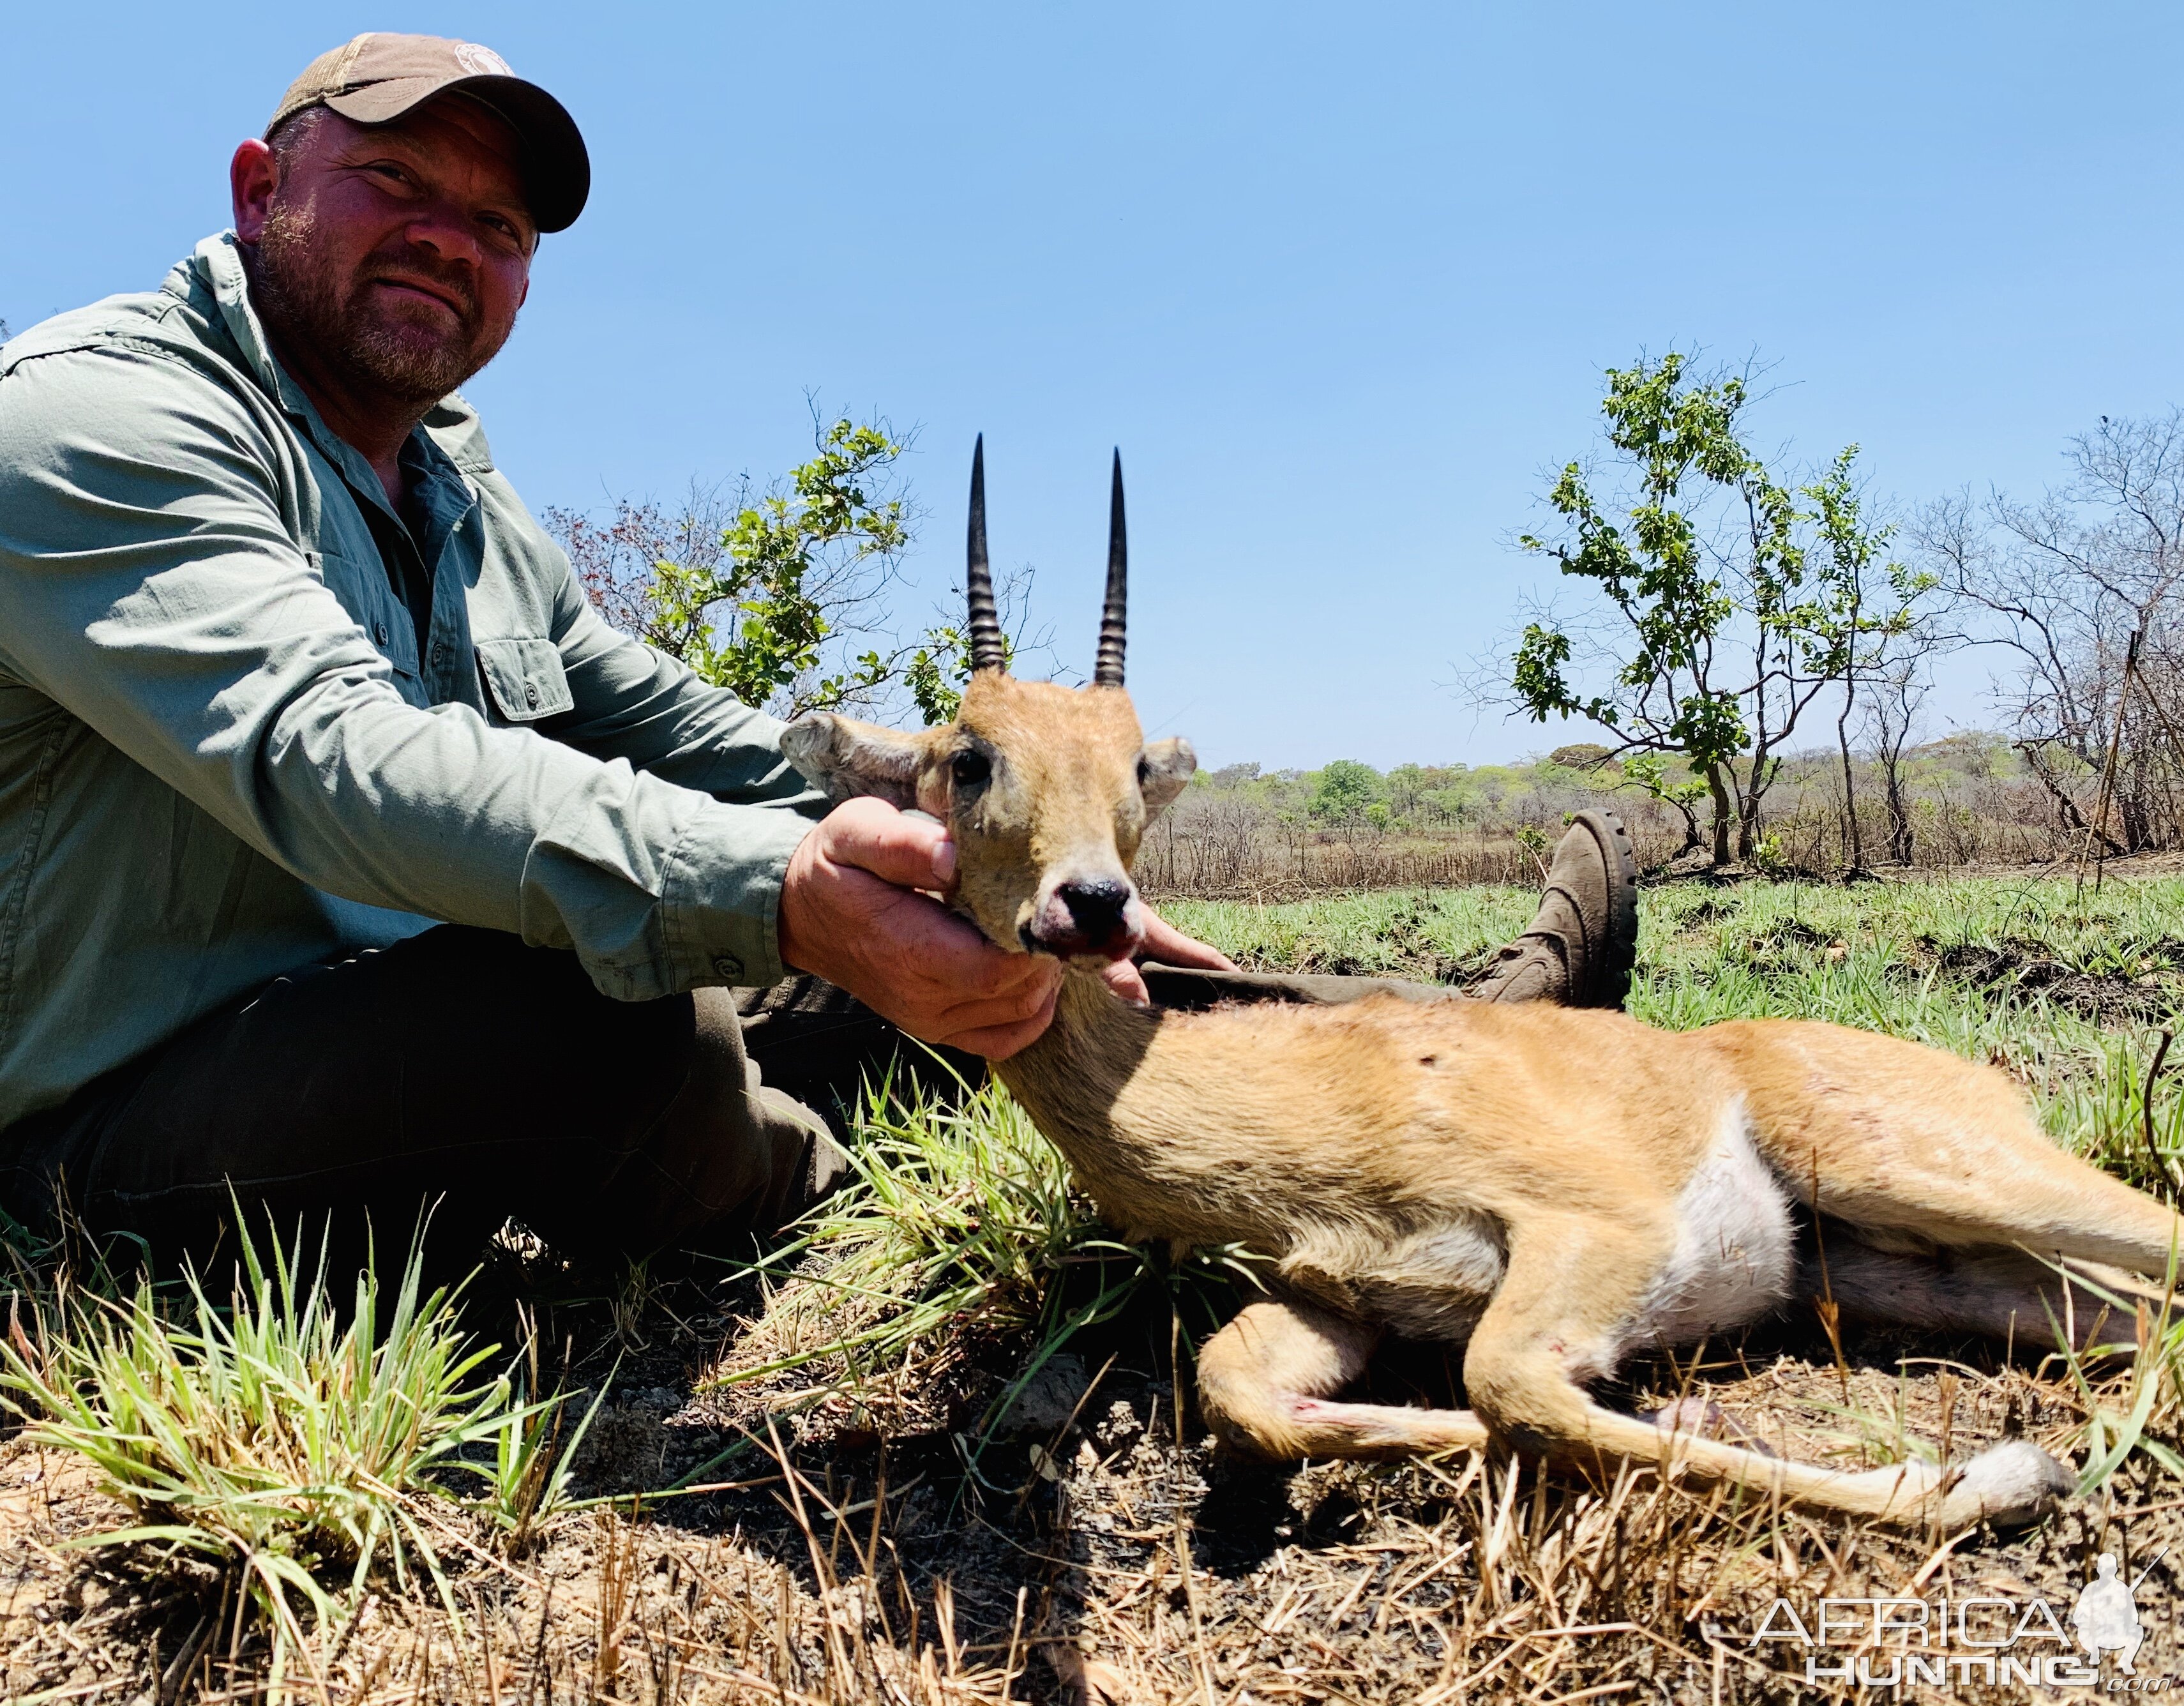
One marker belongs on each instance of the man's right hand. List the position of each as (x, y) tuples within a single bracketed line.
[(851, 913)]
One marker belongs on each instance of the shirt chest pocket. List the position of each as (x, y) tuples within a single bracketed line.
[(525, 678)]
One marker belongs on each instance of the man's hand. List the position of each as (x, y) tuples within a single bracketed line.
[(850, 914), (1169, 947)]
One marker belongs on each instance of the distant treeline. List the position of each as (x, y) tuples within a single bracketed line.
[(1753, 647), (1245, 832)]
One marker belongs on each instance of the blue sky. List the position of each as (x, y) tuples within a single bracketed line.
[(1340, 280)]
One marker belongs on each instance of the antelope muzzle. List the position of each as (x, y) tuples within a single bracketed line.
[(1097, 918)]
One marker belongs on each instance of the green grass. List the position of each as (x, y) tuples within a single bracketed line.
[(1395, 933), (284, 1437), (961, 1229)]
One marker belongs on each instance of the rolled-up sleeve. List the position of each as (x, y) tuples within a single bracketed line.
[(152, 586)]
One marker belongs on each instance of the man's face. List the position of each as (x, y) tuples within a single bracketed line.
[(398, 254)]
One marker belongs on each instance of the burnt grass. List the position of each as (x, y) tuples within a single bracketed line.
[(2017, 965)]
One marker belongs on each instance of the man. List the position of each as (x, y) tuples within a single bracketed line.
[(347, 859)]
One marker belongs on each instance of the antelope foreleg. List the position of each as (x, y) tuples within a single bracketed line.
[(1267, 1384)]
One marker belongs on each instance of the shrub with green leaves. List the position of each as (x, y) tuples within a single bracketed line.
[(778, 594)]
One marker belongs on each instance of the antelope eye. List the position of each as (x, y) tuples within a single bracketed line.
[(971, 769)]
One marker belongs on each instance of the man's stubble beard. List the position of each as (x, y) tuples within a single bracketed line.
[(301, 304)]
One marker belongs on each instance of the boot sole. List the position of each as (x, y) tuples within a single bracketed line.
[(1609, 985)]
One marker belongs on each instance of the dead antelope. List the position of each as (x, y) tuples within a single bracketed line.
[(1550, 1188)]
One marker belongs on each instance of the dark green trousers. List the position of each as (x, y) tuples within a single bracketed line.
[(465, 1074)]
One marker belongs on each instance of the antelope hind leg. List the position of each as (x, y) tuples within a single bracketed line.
[(2002, 1293), (1902, 1137), (1554, 1320), (1267, 1381)]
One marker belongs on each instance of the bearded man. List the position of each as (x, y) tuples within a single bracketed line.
[(347, 859)]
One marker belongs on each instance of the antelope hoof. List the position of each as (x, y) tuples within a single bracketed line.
[(2015, 1485)]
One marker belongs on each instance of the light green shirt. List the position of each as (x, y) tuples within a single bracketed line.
[(229, 748)]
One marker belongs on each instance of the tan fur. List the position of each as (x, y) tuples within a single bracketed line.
[(1551, 1187)]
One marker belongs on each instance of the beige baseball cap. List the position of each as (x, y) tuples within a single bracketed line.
[(378, 76)]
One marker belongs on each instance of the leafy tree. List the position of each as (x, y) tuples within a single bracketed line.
[(770, 593), (938, 673), (1732, 597), (1407, 786), (1880, 622), (1450, 804), (1345, 789)]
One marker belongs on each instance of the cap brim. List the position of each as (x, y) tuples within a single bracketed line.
[(557, 168)]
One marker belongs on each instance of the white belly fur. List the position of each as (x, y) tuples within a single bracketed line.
[(1735, 1254)]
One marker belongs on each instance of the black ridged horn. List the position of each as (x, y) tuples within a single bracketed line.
[(1115, 615), (988, 650)]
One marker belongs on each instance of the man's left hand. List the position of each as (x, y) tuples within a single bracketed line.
[(1168, 945)]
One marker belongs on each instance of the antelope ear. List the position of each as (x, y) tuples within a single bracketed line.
[(1169, 765), (845, 758)]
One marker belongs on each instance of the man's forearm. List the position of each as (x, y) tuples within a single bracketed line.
[(150, 586), (634, 703)]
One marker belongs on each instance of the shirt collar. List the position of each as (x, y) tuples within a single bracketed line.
[(217, 262), (438, 485)]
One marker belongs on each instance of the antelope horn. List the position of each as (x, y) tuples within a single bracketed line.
[(988, 650), (1115, 615)]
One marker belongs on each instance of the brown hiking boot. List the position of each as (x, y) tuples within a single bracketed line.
[(1582, 943)]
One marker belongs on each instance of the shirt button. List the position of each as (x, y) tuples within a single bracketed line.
[(530, 694), (439, 655), (728, 966), (379, 633)]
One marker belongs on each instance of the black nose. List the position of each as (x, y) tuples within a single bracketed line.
[(1096, 908)]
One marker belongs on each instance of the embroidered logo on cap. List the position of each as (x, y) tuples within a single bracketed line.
[(482, 62)]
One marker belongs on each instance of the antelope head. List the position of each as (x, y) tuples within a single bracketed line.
[(1046, 790)]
